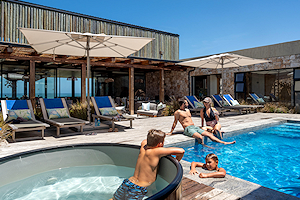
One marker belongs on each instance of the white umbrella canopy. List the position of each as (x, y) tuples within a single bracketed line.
[(75, 44), (83, 44), (225, 60)]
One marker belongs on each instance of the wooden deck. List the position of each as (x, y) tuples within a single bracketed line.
[(192, 190)]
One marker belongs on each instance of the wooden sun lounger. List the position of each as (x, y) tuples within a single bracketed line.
[(246, 107), (30, 125), (108, 117), (62, 122), (218, 98)]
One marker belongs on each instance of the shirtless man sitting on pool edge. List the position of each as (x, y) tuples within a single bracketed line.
[(183, 115)]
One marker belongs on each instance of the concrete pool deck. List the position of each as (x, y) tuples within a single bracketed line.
[(224, 188)]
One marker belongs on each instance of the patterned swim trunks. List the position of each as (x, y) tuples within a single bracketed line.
[(129, 190), (190, 130)]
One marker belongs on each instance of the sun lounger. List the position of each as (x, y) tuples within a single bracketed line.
[(21, 112), (194, 104), (273, 97), (108, 111), (231, 101), (56, 113), (224, 105), (256, 98)]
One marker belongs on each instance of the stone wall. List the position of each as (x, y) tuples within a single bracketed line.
[(282, 62), (176, 83)]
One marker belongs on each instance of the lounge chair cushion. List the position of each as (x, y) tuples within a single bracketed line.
[(198, 104), (223, 103), (23, 113), (161, 106), (234, 102), (108, 111), (58, 113), (261, 100), (146, 106)]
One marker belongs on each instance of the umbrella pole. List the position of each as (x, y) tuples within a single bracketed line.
[(88, 78), (222, 91)]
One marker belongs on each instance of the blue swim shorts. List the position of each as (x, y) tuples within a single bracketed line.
[(129, 190), (190, 130)]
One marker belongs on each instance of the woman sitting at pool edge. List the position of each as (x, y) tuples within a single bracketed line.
[(211, 116), (211, 163)]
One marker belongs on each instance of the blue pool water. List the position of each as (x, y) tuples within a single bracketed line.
[(85, 182), (269, 157)]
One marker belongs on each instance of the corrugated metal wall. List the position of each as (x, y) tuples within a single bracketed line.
[(14, 15)]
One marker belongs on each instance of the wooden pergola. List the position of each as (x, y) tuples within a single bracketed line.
[(17, 52)]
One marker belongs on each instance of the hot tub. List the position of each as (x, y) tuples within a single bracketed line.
[(89, 171)]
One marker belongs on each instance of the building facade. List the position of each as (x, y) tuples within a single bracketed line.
[(280, 77), (24, 73)]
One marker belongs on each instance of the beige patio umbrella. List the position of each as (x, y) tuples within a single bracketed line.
[(83, 44), (225, 60)]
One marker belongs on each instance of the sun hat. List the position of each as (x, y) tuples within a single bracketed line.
[(207, 99)]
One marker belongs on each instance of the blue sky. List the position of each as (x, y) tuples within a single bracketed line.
[(205, 26)]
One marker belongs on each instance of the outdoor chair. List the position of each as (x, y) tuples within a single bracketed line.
[(194, 104), (224, 105), (273, 97), (231, 101), (20, 113), (151, 109), (56, 112), (256, 98), (105, 110)]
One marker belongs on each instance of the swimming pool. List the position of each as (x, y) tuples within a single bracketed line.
[(269, 157)]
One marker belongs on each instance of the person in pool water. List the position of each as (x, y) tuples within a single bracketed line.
[(183, 115), (211, 163), (146, 167), (211, 117)]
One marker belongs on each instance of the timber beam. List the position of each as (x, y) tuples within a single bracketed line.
[(108, 62)]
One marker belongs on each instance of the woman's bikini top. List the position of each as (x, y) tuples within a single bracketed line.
[(211, 117)]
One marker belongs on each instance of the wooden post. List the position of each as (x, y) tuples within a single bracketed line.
[(32, 83), (131, 90), (83, 83), (162, 85)]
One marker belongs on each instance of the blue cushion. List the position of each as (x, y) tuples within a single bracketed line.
[(103, 102), (16, 104), (192, 99), (53, 103), (227, 97)]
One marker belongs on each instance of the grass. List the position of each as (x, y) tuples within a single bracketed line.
[(79, 110), (277, 108), (5, 131), (274, 107), (171, 106)]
